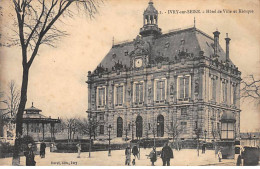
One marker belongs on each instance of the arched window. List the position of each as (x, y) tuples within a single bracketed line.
[(160, 126), (119, 127), (139, 126)]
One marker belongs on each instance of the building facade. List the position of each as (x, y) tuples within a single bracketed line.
[(165, 85)]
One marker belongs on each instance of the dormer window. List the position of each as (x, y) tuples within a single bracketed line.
[(114, 55), (167, 44), (126, 52)]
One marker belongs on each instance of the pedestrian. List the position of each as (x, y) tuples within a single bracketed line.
[(42, 149), (127, 155), (239, 160), (166, 154), (219, 155), (153, 156), (203, 147), (29, 155), (135, 151), (79, 149)]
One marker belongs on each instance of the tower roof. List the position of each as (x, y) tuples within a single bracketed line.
[(150, 10), (32, 109), (227, 116)]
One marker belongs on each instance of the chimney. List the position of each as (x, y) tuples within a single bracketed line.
[(216, 41), (227, 47)]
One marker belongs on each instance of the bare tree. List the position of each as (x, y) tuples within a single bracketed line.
[(250, 89), (36, 21), (12, 99), (175, 129), (83, 126), (88, 127), (71, 126)]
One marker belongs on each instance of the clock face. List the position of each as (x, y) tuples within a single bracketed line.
[(138, 62)]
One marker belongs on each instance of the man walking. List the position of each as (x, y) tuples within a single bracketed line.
[(135, 151), (79, 149), (127, 155), (42, 149), (153, 156), (167, 154), (219, 155)]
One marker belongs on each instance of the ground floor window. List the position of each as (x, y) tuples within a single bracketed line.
[(101, 129), (139, 126)]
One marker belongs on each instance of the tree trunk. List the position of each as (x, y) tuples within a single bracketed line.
[(19, 117)]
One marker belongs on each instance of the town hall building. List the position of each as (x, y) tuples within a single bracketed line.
[(166, 86)]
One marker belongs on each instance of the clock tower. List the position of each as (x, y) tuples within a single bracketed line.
[(140, 54), (142, 43)]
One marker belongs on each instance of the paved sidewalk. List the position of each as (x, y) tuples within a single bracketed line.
[(185, 157)]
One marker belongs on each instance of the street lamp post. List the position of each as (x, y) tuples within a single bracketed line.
[(153, 137), (68, 132), (254, 140), (109, 148), (197, 132), (205, 133)]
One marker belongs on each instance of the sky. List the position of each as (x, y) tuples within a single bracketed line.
[(57, 79)]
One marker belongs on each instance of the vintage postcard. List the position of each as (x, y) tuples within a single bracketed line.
[(129, 83)]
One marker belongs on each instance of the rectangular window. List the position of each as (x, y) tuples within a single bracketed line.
[(224, 91), (227, 131), (184, 111), (218, 128), (184, 87), (186, 91), (213, 89), (234, 94), (184, 126), (181, 88), (160, 90), (139, 93), (212, 128), (101, 96), (101, 129), (129, 126), (119, 95), (101, 117)]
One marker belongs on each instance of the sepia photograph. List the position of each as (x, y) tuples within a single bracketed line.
[(129, 83)]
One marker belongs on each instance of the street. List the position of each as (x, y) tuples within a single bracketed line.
[(185, 157)]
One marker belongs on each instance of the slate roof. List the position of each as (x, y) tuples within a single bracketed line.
[(228, 116), (32, 109), (168, 45), (150, 9), (32, 116)]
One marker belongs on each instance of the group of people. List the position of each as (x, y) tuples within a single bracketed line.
[(166, 155)]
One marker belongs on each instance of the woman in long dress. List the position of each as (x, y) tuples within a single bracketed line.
[(127, 155)]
